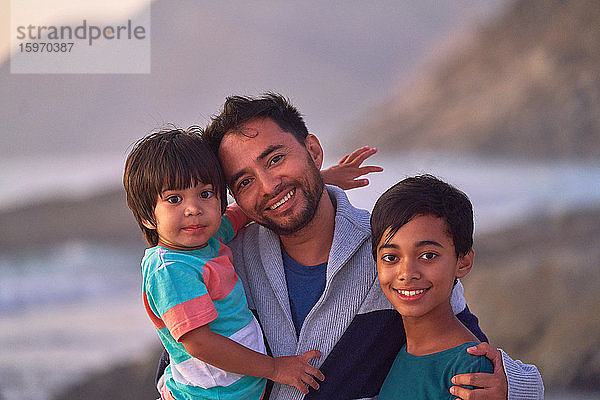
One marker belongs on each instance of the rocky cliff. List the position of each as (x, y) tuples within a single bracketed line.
[(525, 86), (535, 290)]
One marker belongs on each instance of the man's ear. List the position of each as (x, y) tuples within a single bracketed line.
[(147, 224), (464, 264), (314, 149)]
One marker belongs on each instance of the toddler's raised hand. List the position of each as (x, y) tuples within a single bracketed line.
[(346, 172), (296, 371)]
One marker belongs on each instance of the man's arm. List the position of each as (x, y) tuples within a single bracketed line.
[(511, 379), (497, 382), (163, 363), (472, 323)]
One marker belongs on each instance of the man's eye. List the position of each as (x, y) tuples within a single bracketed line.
[(174, 199), (428, 256), (207, 194), (243, 183), (276, 159)]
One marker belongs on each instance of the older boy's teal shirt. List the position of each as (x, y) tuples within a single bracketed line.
[(428, 377)]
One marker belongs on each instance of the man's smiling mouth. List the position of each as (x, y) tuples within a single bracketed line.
[(285, 198)]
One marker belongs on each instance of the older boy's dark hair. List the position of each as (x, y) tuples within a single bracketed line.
[(169, 159), (423, 195), (238, 110)]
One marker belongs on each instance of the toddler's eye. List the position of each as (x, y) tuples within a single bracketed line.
[(207, 194), (175, 199)]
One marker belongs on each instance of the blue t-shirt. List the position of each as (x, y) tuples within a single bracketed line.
[(428, 376), (305, 286)]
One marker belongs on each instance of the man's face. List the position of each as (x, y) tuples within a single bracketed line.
[(272, 176)]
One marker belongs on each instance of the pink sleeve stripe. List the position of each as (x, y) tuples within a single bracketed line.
[(158, 323), (236, 216), (189, 315), (218, 274)]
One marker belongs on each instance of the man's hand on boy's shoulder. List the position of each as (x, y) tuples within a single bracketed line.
[(346, 172), (490, 386)]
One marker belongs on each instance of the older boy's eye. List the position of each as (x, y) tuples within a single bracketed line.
[(207, 194), (174, 199), (428, 256), (389, 258)]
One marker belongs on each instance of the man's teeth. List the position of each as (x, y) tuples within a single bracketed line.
[(280, 202), (410, 292)]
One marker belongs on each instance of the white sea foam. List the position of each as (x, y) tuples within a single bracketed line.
[(67, 273), (36, 179), (502, 191), (47, 347)]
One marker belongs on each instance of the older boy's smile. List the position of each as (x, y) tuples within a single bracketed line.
[(410, 294)]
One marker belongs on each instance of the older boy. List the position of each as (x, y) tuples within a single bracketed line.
[(422, 231)]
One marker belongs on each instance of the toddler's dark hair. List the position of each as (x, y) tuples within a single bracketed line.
[(172, 159)]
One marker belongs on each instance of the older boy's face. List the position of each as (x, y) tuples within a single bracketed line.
[(273, 177), (417, 267)]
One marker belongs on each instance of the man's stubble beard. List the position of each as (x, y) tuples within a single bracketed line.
[(312, 193)]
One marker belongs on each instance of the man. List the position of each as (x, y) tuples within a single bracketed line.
[(306, 262)]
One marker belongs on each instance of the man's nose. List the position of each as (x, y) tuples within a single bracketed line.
[(270, 182)]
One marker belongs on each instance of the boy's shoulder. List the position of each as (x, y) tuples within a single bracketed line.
[(464, 362), (158, 256), (153, 255), (453, 361)]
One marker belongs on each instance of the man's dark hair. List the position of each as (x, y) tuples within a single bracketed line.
[(423, 195), (239, 110), (169, 159)]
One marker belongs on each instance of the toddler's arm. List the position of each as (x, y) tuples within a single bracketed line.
[(346, 172), (237, 217), (228, 355)]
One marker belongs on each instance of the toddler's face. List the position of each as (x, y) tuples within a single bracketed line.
[(186, 218), (417, 266)]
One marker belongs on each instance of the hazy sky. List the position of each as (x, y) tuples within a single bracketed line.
[(334, 60)]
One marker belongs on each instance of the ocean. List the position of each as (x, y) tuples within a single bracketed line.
[(75, 308)]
